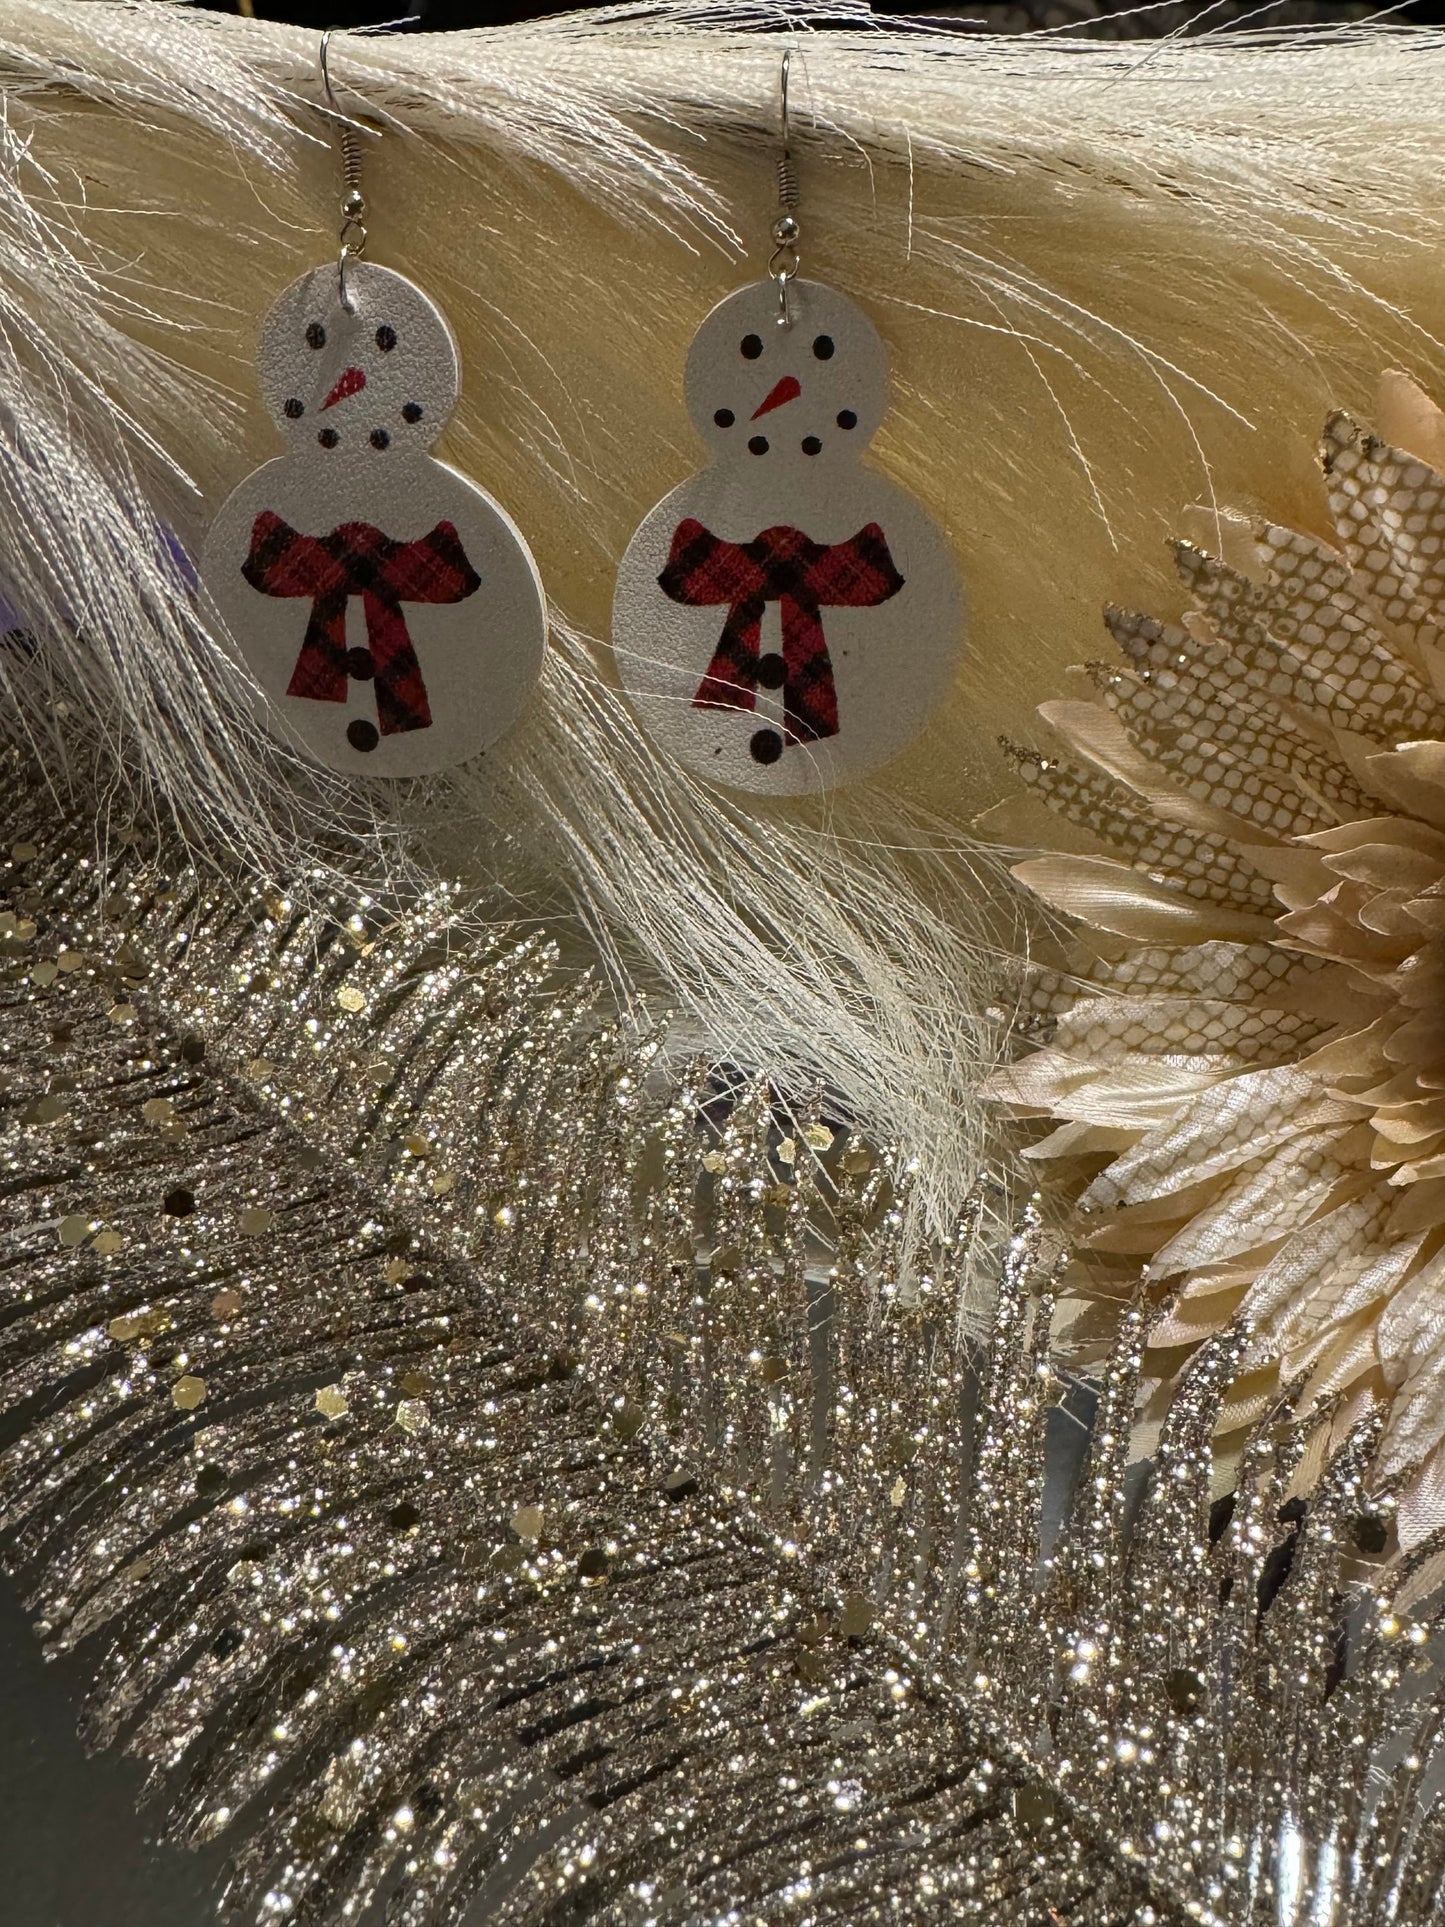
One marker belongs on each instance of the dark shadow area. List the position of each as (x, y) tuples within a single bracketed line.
[(76, 1852), (1105, 19)]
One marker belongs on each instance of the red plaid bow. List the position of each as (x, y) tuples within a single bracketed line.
[(780, 565), (357, 559)]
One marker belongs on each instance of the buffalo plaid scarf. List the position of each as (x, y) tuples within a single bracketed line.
[(357, 559), (780, 565)]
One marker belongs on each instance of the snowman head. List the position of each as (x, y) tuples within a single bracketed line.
[(377, 381), (798, 398)]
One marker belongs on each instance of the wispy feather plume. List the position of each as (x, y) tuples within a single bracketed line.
[(1099, 271)]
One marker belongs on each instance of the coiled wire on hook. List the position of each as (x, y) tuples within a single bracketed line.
[(786, 260), (352, 232), (788, 195)]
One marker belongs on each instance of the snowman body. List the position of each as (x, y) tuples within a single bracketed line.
[(387, 608), (787, 619)]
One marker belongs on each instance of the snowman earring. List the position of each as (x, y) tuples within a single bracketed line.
[(390, 610), (840, 608)]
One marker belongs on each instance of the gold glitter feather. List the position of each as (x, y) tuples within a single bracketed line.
[(623, 1529)]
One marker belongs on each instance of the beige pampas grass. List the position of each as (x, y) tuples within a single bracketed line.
[(1111, 279)]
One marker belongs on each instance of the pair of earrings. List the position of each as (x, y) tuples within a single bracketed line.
[(784, 621)]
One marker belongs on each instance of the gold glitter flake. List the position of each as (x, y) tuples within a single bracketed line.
[(856, 1617), (188, 1392), (527, 1522), (122, 1014), (332, 1402), (412, 1415), (811, 1667), (256, 1221), (628, 1419), (139, 1324), (351, 999), (75, 1229)]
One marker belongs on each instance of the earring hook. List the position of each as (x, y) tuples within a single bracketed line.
[(785, 261), (352, 232)]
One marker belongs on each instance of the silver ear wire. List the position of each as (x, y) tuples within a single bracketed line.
[(785, 261), (352, 233)]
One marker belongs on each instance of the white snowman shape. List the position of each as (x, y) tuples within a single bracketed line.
[(788, 619), (389, 610)]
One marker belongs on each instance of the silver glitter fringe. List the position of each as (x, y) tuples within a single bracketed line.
[(494, 1472)]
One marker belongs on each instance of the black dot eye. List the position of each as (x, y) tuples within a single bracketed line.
[(811, 445), (293, 409), (847, 419), (758, 445), (823, 347), (328, 438), (385, 338), (725, 418), (751, 347), (411, 412), (380, 438), (315, 335)]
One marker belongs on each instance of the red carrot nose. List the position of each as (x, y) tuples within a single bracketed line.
[(785, 390), (351, 382)]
